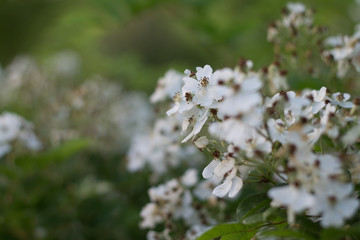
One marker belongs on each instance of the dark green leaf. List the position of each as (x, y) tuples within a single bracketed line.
[(288, 233), (252, 205), (334, 233), (239, 236), (225, 229)]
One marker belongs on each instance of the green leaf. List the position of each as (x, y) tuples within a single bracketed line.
[(226, 229), (357, 188), (274, 214), (288, 233), (335, 233), (239, 236), (308, 226), (252, 205)]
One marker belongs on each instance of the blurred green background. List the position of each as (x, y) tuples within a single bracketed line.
[(132, 42), (136, 41)]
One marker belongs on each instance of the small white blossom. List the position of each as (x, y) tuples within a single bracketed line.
[(167, 86), (334, 201)]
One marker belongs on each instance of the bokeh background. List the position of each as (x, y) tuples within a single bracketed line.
[(103, 58)]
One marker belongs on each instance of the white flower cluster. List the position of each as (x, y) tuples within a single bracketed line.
[(345, 51), (174, 201), (80, 112), (97, 109), (295, 16), (16, 130), (306, 144), (254, 127), (159, 149)]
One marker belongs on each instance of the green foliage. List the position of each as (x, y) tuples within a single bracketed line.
[(250, 209), (53, 156), (289, 234), (118, 38), (59, 193), (227, 230), (332, 233), (238, 236), (69, 192)]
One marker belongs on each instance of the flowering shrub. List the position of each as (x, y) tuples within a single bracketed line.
[(66, 110), (62, 172), (283, 163)]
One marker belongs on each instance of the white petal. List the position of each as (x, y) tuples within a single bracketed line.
[(251, 84), (190, 177), (302, 201), (203, 72), (346, 104), (188, 136), (191, 85), (222, 189), (331, 219), (317, 106), (225, 166), (208, 171), (185, 125), (173, 110), (322, 94), (284, 194), (237, 184), (201, 142), (346, 96), (185, 106), (347, 207), (341, 190)]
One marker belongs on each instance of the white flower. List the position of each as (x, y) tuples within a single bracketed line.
[(255, 142), (234, 130), (352, 135), (4, 149), (297, 16), (196, 118), (150, 216), (167, 86), (242, 100), (277, 81), (295, 198), (319, 99), (204, 189), (334, 41), (296, 7), (208, 171), (346, 51), (329, 165), (181, 104), (303, 154), (10, 126), (334, 202), (201, 142), (296, 107), (341, 99), (227, 170), (14, 127), (277, 130), (231, 186), (189, 178), (160, 148), (224, 167), (198, 88), (317, 131)]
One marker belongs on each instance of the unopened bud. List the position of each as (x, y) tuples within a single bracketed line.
[(201, 142)]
